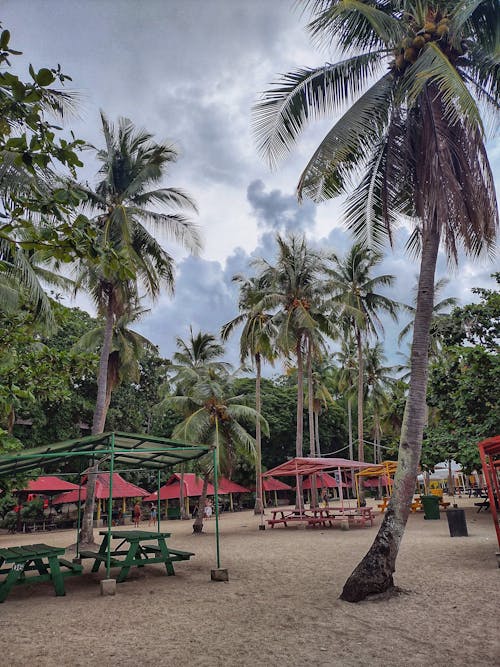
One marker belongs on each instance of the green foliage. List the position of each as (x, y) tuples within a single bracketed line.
[(32, 510)]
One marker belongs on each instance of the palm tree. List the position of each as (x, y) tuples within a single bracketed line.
[(346, 383), (256, 342), (354, 289), (379, 381), (290, 289), (127, 349), (415, 71), (132, 167), (439, 312), (216, 416)]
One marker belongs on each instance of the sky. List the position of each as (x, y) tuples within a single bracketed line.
[(189, 72)]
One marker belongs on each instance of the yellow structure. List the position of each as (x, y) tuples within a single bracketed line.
[(387, 468)]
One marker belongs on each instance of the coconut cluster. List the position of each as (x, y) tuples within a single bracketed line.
[(434, 29)]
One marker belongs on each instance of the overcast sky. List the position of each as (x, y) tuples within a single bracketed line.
[(189, 71)]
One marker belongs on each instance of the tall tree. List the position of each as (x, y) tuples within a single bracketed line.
[(354, 289), (412, 78), (290, 289), (256, 342), (132, 166), (379, 381)]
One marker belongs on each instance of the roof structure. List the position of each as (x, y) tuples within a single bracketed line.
[(130, 449), (489, 451), (384, 468), (228, 486), (49, 485), (323, 479), (271, 484), (307, 466), (121, 489), (193, 486)]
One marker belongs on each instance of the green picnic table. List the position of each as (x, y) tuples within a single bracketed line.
[(39, 558), (136, 549)]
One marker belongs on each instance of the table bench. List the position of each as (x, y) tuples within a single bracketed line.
[(138, 553), (41, 558), (383, 505)]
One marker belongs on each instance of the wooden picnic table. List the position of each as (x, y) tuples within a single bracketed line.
[(322, 516), (39, 558), (135, 550)]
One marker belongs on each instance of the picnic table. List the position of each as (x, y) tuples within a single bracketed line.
[(322, 516), (135, 550), (39, 558)]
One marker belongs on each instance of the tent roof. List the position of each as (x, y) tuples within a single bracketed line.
[(193, 486), (323, 479), (144, 451), (121, 489), (306, 466), (227, 486), (49, 485), (379, 469), (491, 446), (271, 484)]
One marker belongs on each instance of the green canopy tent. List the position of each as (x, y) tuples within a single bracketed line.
[(125, 449)]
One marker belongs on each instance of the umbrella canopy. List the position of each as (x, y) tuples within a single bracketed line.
[(271, 484), (323, 479), (193, 486), (49, 485), (121, 489)]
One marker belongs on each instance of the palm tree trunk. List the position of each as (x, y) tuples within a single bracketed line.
[(310, 410), (182, 505), (198, 522), (316, 430), (87, 531), (258, 439), (351, 446), (300, 417), (374, 572)]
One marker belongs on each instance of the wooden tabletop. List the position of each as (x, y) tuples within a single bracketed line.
[(134, 534), (29, 551)]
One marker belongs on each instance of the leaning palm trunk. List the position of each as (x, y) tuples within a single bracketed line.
[(374, 573), (198, 522), (300, 418), (258, 440), (87, 532), (182, 502)]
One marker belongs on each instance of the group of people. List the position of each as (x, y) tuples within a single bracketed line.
[(137, 514)]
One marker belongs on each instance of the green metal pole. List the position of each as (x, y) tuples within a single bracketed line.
[(216, 491), (110, 504), (79, 515), (159, 505)]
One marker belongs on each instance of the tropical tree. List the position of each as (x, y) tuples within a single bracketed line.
[(257, 342), (132, 166), (346, 380), (415, 78), (216, 416), (354, 290), (379, 381), (194, 357), (439, 313)]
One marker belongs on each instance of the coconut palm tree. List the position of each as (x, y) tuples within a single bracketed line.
[(439, 312), (354, 288), (132, 166), (379, 381), (290, 288), (216, 416), (195, 356), (256, 342), (415, 78)]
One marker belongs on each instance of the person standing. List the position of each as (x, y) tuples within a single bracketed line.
[(137, 514)]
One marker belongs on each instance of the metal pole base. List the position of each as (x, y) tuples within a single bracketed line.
[(108, 587), (219, 574)]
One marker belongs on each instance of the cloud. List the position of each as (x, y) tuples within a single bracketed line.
[(282, 213)]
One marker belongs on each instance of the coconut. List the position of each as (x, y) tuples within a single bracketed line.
[(410, 55), (429, 26), (400, 61), (419, 42), (442, 29)]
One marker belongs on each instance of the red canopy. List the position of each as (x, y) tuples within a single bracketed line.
[(489, 451), (306, 466), (374, 481), (193, 486), (49, 485), (121, 489), (227, 486), (323, 479), (272, 484)]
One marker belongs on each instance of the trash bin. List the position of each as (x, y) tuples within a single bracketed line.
[(431, 507), (456, 522)]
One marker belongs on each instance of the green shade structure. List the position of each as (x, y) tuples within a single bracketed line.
[(114, 448)]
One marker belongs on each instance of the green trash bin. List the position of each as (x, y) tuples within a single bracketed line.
[(431, 507)]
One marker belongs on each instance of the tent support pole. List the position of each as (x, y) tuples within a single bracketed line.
[(110, 505), (79, 515)]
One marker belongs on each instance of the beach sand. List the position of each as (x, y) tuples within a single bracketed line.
[(280, 606)]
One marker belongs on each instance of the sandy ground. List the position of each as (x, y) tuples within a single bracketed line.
[(280, 606)]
